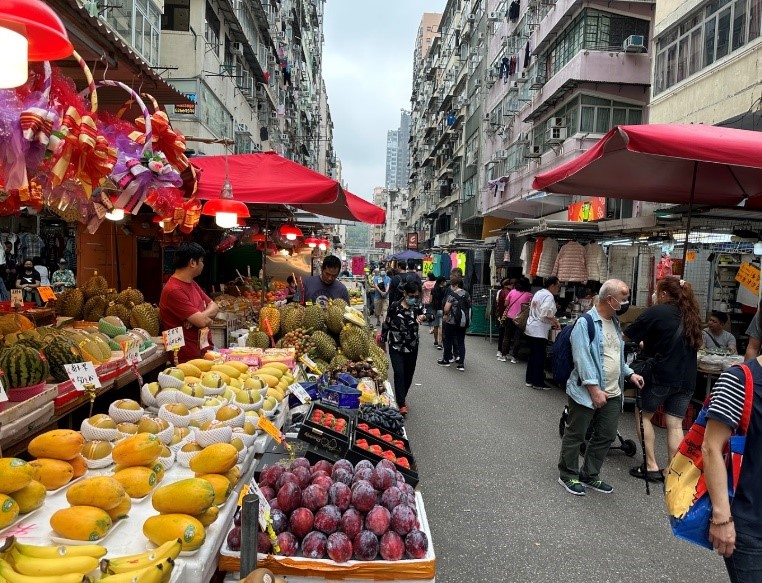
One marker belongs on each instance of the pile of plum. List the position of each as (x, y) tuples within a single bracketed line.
[(341, 511)]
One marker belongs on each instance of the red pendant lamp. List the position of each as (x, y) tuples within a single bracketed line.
[(225, 210), (312, 241), (291, 232), (323, 244), (29, 31)]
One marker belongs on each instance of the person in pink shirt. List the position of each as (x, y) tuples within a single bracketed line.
[(427, 286), (512, 333)]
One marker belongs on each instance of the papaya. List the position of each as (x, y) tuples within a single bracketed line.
[(231, 371), (137, 450), (201, 364), (122, 509), (81, 522), (58, 444), (233, 475), (189, 496), (137, 481), (14, 474), (208, 516), (79, 465), (165, 527), (158, 469), (217, 458), (221, 487), (30, 497), (52, 473), (101, 491), (9, 510)]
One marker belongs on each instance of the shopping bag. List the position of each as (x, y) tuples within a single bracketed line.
[(521, 318)]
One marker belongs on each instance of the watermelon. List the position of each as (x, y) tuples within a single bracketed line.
[(61, 351), (23, 366)]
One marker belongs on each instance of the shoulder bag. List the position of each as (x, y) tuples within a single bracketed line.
[(520, 319), (645, 366)]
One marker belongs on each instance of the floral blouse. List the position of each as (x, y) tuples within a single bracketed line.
[(400, 329), (65, 276)]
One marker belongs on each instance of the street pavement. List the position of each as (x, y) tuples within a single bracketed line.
[(487, 451)]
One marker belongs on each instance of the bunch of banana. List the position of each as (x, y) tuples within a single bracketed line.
[(24, 563), (154, 566)]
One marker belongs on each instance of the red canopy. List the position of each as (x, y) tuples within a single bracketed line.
[(267, 178), (656, 163)]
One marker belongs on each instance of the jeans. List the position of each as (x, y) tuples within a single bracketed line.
[(454, 343), (745, 564), (536, 362), (604, 422), (403, 364)]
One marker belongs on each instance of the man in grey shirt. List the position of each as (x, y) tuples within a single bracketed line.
[(754, 334), (321, 288)]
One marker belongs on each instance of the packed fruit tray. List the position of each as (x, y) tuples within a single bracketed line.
[(327, 428), (368, 428), (366, 446)]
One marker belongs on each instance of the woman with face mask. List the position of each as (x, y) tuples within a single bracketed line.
[(400, 331), (28, 280), (671, 335)]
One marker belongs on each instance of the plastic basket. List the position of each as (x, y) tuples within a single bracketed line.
[(23, 393)]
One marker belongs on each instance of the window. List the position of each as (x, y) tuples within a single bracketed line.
[(723, 33), (138, 22), (739, 24), (176, 15), (211, 28), (598, 115)]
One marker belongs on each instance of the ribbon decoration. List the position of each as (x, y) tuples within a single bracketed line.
[(37, 124), (138, 177), (164, 139), (185, 216), (79, 151)]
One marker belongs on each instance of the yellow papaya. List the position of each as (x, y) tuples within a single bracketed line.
[(101, 491), (81, 522), (30, 497), (79, 465), (52, 473), (217, 458), (122, 509), (233, 475), (189, 496), (9, 510), (221, 486), (14, 474), (165, 527), (137, 450), (137, 481), (58, 444)]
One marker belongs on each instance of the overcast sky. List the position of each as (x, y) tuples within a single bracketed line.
[(368, 71)]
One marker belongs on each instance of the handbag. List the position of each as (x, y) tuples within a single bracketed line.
[(686, 498), (520, 319), (645, 366)]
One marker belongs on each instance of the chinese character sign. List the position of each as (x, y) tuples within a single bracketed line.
[(81, 374), (748, 276)]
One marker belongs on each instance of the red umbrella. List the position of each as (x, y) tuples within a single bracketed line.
[(349, 207), (670, 163)]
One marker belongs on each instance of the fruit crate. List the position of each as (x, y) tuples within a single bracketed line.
[(371, 431), (341, 396), (356, 453), (324, 437)]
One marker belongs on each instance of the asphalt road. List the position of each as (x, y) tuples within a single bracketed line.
[(487, 451)]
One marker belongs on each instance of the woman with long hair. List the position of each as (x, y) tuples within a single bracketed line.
[(671, 335)]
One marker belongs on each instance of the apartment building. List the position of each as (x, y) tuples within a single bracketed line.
[(398, 153), (391, 237)]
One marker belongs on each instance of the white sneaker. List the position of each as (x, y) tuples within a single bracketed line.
[(514, 361), (499, 355), (502, 358)]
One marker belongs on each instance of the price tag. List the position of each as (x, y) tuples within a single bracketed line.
[(267, 426), (203, 338), (309, 363), (47, 294), (81, 374), (174, 339), (131, 351), (264, 505), (748, 276), (3, 394), (298, 391), (17, 298)]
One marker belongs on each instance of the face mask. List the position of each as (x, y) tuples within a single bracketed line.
[(411, 301), (623, 307)]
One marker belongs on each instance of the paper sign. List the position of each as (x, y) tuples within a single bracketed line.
[(310, 363), (3, 394), (690, 256), (267, 426), (17, 298), (264, 505), (46, 293), (298, 391), (203, 338), (748, 276), (174, 339), (131, 351), (81, 374)]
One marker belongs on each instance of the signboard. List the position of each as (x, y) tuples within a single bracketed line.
[(46, 293), (412, 241), (81, 374), (187, 107), (592, 209), (383, 245), (173, 339), (748, 276), (17, 298)]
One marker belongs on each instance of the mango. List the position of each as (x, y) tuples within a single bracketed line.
[(231, 371), (189, 496), (190, 370), (81, 522), (221, 487), (279, 365), (242, 367), (122, 509), (52, 473), (14, 474), (9, 510), (101, 491), (217, 458), (201, 364), (165, 527), (137, 450), (273, 372), (268, 379), (30, 497), (191, 380), (137, 481), (209, 516), (233, 475), (58, 444)]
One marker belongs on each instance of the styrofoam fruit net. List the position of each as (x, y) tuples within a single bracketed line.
[(214, 391), (91, 433), (167, 396), (206, 437), (146, 397), (174, 418), (247, 439), (177, 446), (168, 461), (203, 414), (169, 382), (165, 435), (103, 462), (236, 421), (188, 400), (122, 415), (184, 457), (248, 406)]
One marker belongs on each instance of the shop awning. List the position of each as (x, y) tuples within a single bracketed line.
[(267, 178)]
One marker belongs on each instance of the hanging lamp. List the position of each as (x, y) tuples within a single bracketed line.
[(323, 244), (312, 241), (225, 210), (291, 232), (29, 31), (115, 214)]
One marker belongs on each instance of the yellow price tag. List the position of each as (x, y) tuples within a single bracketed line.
[(267, 426), (46, 293), (748, 276), (244, 491)]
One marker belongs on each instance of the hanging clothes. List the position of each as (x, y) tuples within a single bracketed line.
[(445, 265), (536, 256), (527, 251), (462, 263), (453, 261), (571, 263), (527, 55), (436, 266), (596, 262), (504, 62), (512, 65), (494, 280), (513, 11), (547, 258)]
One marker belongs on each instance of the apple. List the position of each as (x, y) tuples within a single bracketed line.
[(269, 404), (175, 372), (102, 421), (127, 427), (237, 443), (227, 412), (212, 380), (128, 404)]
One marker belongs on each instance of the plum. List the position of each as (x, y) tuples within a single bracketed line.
[(344, 464), (399, 476), (416, 544), (391, 547), (314, 545), (339, 547), (234, 538), (268, 492), (365, 546), (407, 489), (382, 478), (301, 522), (342, 475), (288, 544), (237, 518), (280, 520), (403, 519), (362, 474), (391, 498), (274, 503), (378, 520), (286, 477), (364, 464), (340, 495), (351, 523), (269, 476), (328, 519), (363, 496), (315, 473), (385, 463), (289, 497), (300, 462), (325, 481), (323, 466), (314, 497), (303, 475), (264, 544)]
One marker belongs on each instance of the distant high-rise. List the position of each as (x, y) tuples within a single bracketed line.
[(398, 153)]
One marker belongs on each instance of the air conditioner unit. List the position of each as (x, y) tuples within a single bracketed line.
[(635, 43), (477, 83), (242, 128), (273, 115), (494, 17), (537, 82), (557, 122), (555, 135), (501, 155), (513, 88), (523, 139), (481, 37), (236, 49), (487, 117), (533, 152)]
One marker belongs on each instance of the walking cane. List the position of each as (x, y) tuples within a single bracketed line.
[(642, 438)]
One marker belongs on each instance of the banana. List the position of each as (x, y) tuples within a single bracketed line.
[(11, 576), (152, 574), (53, 551), (133, 563), (35, 567)]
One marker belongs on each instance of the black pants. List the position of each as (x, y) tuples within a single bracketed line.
[(454, 343), (511, 338), (403, 364), (536, 362)]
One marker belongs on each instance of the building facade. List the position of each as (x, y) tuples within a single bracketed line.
[(398, 153)]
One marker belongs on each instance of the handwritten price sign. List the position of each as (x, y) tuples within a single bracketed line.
[(267, 426), (131, 351), (748, 276), (174, 339), (46, 294), (17, 298), (81, 374), (298, 391)]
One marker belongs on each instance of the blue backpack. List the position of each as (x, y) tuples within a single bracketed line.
[(563, 362)]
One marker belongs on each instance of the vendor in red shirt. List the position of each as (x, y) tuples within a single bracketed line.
[(184, 303)]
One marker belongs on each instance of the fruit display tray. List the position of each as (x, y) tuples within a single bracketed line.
[(324, 437), (355, 454), (383, 431)]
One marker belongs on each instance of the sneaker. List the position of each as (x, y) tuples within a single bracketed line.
[(403, 410), (528, 384), (513, 360), (541, 387), (573, 486), (599, 486), (460, 367), (502, 358), (439, 347), (443, 362), (499, 355)]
